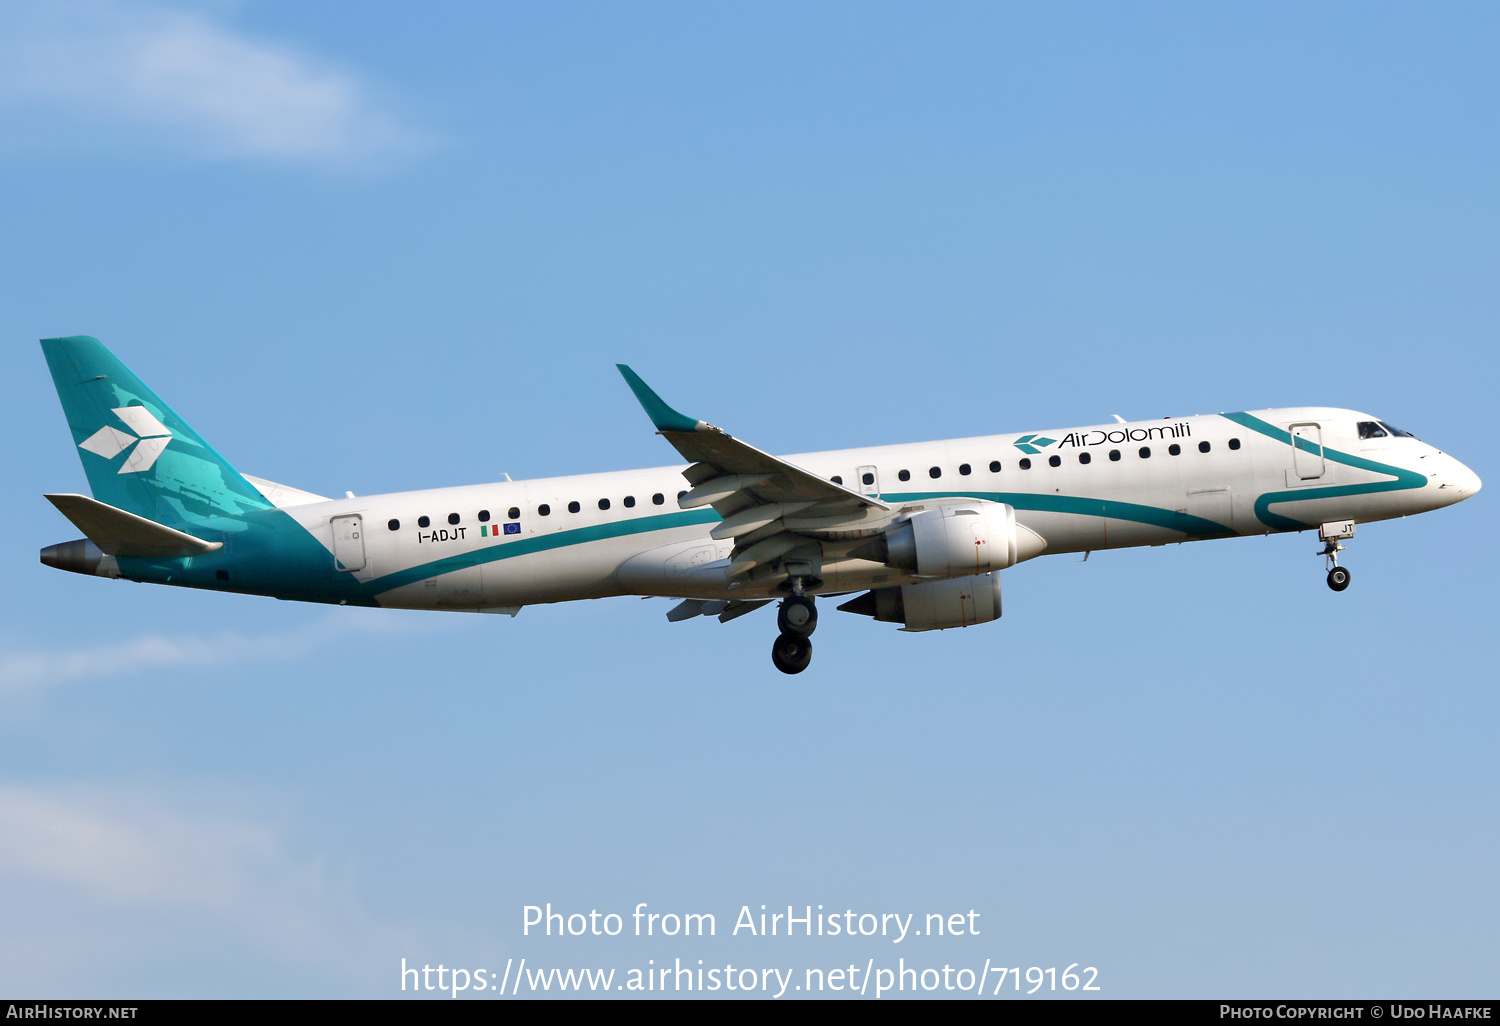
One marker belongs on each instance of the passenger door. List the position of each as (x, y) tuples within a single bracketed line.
[(1307, 451)]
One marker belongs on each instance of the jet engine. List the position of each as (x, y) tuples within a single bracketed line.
[(933, 605), (966, 538)]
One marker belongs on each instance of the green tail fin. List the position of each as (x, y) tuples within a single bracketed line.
[(139, 455)]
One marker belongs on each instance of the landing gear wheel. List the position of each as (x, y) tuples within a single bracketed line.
[(797, 615), (1338, 578), (791, 653)]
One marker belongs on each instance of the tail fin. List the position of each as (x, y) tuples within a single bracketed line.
[(140, 456)]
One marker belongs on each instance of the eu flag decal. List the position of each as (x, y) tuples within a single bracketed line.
[(512, 528)]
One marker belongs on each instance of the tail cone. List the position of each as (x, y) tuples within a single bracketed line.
[(80, 557)]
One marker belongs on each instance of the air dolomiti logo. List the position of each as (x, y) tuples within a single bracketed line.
[(150, 439), (1099, 436), (1033, 444)]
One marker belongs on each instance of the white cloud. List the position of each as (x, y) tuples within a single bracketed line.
[(145, 653), (184, 77), (127, 854), (90, 875), (155, 651)]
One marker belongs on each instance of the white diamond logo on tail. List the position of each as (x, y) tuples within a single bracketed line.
[(107, 442), (110, 442), (139, 420), (144, 454)]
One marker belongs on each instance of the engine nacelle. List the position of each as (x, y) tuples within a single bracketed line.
[(965, 538), (933, 605)]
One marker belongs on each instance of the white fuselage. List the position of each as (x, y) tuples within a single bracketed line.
[(1115, 485)]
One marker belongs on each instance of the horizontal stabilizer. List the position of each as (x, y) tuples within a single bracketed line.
[(118, 533)]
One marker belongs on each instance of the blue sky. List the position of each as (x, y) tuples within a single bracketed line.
[(372, 248)]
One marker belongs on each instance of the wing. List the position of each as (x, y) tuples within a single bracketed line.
[(779, 515)]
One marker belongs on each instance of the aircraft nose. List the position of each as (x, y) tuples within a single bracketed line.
[(1463, 480)]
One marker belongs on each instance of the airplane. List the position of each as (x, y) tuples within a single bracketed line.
[(918, 533)]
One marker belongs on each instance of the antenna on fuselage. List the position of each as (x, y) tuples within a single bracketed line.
[(1118, 419)]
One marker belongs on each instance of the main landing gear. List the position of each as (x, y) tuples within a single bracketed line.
[(1338, 577), (790, 653), (796, 618)]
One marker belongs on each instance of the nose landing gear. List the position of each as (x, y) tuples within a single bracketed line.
[(1338, 577), (796, 618)]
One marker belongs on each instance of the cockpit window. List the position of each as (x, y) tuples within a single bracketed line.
[(1371, 429), (1397, 431)]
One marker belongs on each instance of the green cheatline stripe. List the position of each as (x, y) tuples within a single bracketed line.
[(1170, 519), (1114, 510), (541, 543), (1403, 478)]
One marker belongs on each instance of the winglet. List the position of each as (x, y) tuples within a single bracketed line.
[(663, 416)]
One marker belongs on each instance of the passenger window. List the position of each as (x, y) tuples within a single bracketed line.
[(394, 525), (994, 466), (452, 518), (604, 504), (868, 479), (1055, 461), (1174, 449), (904, 475), (1234, 443), (1204, 447), (657, 500), (573, 506), (1114, 455), (514, 512), (484, 516), (1025, 463), (630, 502), (1085, 458), (935, 472), (1370, 429), (836, 479), (544, 510), (965, 469), (1145, 452), (423, 521)]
